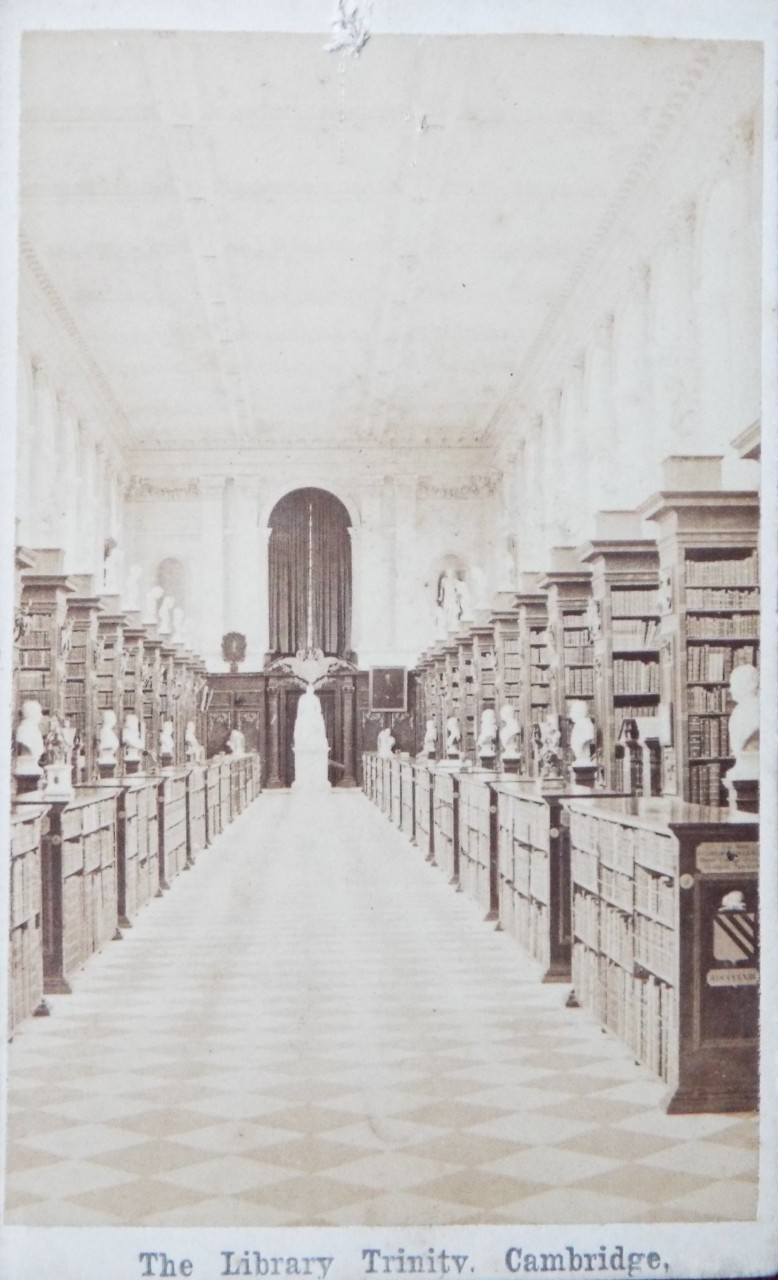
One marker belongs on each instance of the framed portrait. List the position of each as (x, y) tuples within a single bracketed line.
[(388, 688)]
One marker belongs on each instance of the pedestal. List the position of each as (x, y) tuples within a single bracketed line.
[(106, 768), (746, 794), (511, 764), (26, 782), (585, 775)]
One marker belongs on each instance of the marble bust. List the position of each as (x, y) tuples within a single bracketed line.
[(29, 741), (429, 745), (166, 743), (311, 749), (509, 733), (582, 734), (744, 723), (453, 737), (108, 740), (385, 743), (487, 738)]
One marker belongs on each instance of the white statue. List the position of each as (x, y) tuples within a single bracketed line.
[(133, 739), (448, 598), (153, 598), (164, 615), (582, 734), (440, 623), (194, 752), (487, 738), (29, 742), (311, 749), (107, 741), (131, 597), (178, 626), (453, 737), (744, 723), (166, 742), (385, 742), (236, 743), (506, 568), (481, 598), (509, 733), (465, 600), (112, 559), (430, 743)]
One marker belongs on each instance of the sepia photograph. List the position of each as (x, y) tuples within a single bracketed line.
[(383, 657)]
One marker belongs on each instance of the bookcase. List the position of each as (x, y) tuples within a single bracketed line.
[(44, 643), (152, 682), (195, 811), (25, 946), (445, 809), (78, 881), (407, 772), (80, 706), (666, 941), (476, 831), (213, 813), (535, 662), (484, 672), (110, 660), (452, 700), (172, 825), (710, 601), (468, 718), (568, 587), (508, 658), (423, 822), (624, 627), (132, 695)]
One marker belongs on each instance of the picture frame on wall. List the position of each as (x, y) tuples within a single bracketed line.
[(388, 689)]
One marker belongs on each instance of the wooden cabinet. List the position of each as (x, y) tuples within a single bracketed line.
[(666, 941), (25, 937)]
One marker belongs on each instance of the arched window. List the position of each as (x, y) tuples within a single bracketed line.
[(310, 574)]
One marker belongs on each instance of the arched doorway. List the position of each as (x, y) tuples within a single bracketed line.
[(309, 574)]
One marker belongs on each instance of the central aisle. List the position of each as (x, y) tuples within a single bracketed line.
[(312, 1027)]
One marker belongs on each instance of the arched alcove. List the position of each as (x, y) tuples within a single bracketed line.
[(309, 574)]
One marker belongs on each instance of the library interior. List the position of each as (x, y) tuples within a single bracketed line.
[(384, 764)]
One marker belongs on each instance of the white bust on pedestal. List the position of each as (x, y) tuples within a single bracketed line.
[(29, 745), (453, 738), (107, 744), (429, 745), (582, 734), (194, 751), (132, 742), (166, 742), (385, 743), (311, 749), (487, 738), (743, 778), (509, 736), (236, 743)]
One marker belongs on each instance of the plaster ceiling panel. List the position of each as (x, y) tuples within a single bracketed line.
[(79, 76)]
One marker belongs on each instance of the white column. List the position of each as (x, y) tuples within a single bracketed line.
[(355, 540)]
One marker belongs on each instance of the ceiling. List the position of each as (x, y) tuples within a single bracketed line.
[(261, 242)]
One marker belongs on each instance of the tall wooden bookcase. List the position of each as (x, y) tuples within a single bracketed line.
[(568, 589), (710, 601), (535, 660), (624, 625), (81, 707), (44, 643)]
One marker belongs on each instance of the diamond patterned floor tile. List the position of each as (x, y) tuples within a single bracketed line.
[(366, 1050)]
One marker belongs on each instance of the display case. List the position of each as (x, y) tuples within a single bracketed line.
[(477, 838), (172, 824)]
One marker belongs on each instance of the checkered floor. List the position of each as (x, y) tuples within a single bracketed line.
[(312, 1027)]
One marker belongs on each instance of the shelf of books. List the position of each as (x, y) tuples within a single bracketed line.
[(132, 695), (445, 808), (665, 941), (624, 626), (484, 670), (452, 704), (710, 599), (477, 830), (80, 677), (568, 588), (109, 660), (195, 811), (535, 660), (44, 639), (172, 825), (508, 658), (25, 949), (152, 679), (468, 719)]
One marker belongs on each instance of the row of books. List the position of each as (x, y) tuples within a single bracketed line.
[(633, 602), (584, 869), (616, 888), (714, 664), (616, 936), (25, 885), (39, 658), (701, 700), (619, 846), (631, 711), (586, 920), (735, 626), (655, 947), (635, 675), (34, 681), (579, 682), (708, 736), (641, 1012), (25, 976), (705, 783), (655, 895), (730, 598), (635, 633), (732, 571)]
